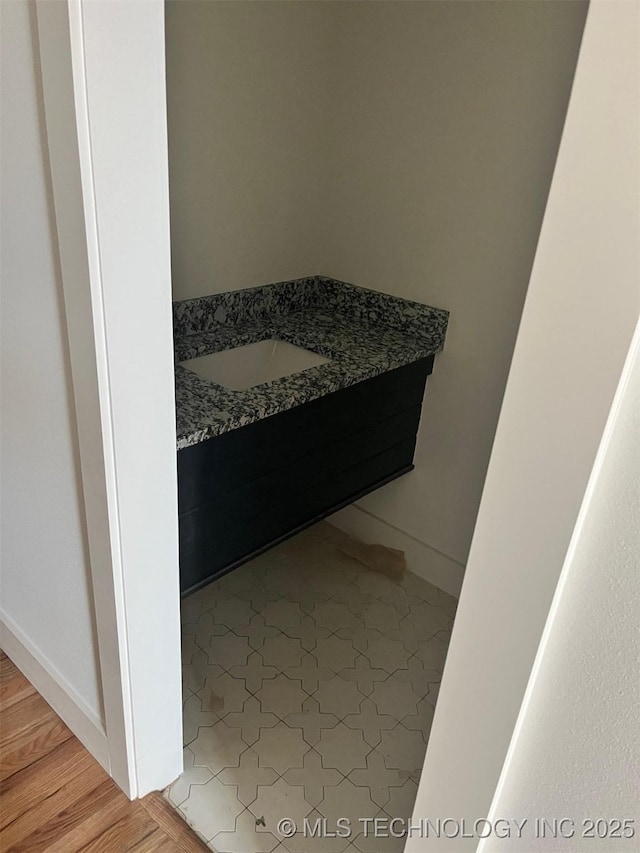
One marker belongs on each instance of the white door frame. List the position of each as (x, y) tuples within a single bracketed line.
[(103, 73), (576, 329), (104, 88)]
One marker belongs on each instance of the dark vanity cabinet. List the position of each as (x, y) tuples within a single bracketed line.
[(245, 490)]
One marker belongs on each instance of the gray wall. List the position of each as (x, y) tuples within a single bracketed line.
[(445, 138), (404, 146), (247, 99)]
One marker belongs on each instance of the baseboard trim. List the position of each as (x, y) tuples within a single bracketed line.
[(55, 690), (423, 560)]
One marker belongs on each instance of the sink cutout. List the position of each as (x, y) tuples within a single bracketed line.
[(253, 364)]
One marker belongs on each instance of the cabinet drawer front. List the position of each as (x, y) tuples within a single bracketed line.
[(278, 486), (226, 541), (229, 461)]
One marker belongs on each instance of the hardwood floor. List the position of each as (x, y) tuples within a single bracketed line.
[(55, 797)]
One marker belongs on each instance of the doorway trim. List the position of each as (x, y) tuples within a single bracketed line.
[(103, 77), (576, 329)]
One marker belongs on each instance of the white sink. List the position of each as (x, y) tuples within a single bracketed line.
[(252, 364)]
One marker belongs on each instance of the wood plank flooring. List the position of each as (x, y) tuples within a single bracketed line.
[(55, 797)]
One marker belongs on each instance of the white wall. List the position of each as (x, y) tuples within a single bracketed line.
[(447, 124), (406, 147), (581, 308), (578, 748), (247, 91), (47, 604)]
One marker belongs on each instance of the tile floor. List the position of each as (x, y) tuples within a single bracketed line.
[(309, 687)]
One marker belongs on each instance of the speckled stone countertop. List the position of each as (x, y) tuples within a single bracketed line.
[(363, 332)]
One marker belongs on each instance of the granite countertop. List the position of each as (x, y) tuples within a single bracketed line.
[(364, 333)]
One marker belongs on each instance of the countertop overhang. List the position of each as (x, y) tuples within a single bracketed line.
[(364, 333)]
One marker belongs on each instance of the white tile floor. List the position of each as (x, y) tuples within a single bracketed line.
[(309, 689)]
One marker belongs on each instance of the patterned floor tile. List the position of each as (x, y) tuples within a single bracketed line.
[(349, 801), (228, 650), (248, 776), (387, 654), (232, 612), (349, 568), (395, 698), (308, 633), (193, 716), (378, 778), (424, 621), (254, 672), (189, 648), (190, 609), (240, 580), (313, 777), (415, 674), (309, 673), (360, 638), (403, 750), (282, 614), (277, 801), (332, 615), (270, 689), (402, 800), (205, 629), (185, 689), (335, 653), (363, 674), (311, 720), (448, 603), (282, 652), (217, 747), (258, 596), (199, 669), (223, 694), (251, 720), (245, 838), (355, 599), (434, 692), (281, 748), (339, 697), (327, 580), (281, 696), (212, 808), (375, 583), (433, 654), (422, 720), (199, 602), (400, 598), (306, 596), (370, 722), (383, 617), (343, 748), (421, 588), (404, 634), (256, 631), (179, 791)]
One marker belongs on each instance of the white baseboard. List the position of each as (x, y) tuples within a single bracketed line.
[(55, 690), (424, 561)]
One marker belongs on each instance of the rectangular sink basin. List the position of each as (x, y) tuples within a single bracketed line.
[(253, 364)]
